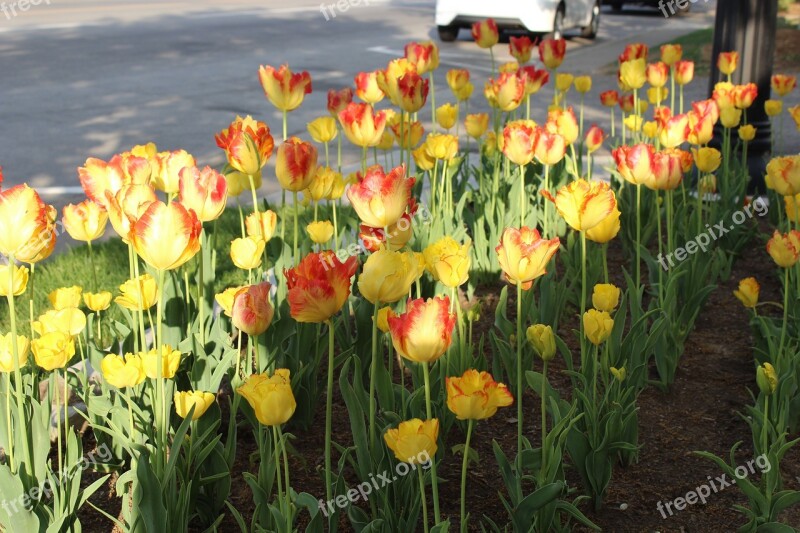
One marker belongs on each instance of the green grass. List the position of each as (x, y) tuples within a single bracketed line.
[(696, 48)]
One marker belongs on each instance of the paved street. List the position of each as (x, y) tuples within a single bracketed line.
[(88, 78)]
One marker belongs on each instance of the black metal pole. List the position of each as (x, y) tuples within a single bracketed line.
[(748, 27)]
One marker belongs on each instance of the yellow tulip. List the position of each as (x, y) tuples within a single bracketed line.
[(169, 166), (730, 116), (413, 439), (584, 204), (387, 276), (261, 224), (747, 133), (707, 159), (633, 73), (583, 84), (201, 401), (425, 331), (383, 318), (671, 53), (85, 221), (138, 294), (65, 297), (122, 372), (606, 230), (597, 326), (783, 248), (442, 146), (247, 252), (170, 361), (476, 124), (322, 129), (564, 81), (167, 235), (448, 262), (53, 350), (633, 122), (792, 203), (543, 341), (320, 231), (97, 301), (7, 351), (225, 299), (69, 320), (422, 159), (773, 108), (22, 209), (476, 395), (270, 397), (783, 175), (605, 297), (748, 291), (13, 279), (446, 116)]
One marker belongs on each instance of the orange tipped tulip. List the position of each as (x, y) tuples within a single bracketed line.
[(745, 95), (521, 48), (727, 62), (97, 177), (319, 286), (476, 124), (534, 79), (635, 163), (519, 139), (170, 165), (296, 164), (784, 248), (380, 199), (564, 123), (362, 125), (205, 192), (26, 223), (584, 204), (657, 74), (424, 56), (367, 87), (552, 52), (594, 138), (550, 148), (338, 100), (476, 395), (634, 51), (248, 144), (86, 221), (127, 206), (286, 90), (457, 79), (609, 98), (252, 311), (783, 84), (524, 255), (671, 53), (507, 91), (674, 131), (783, 175), (425, 331), (166, 236), (684, 72), (485, 33)]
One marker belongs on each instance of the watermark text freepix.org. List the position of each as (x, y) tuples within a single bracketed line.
[(364, 489), (12, 9), (674, 6), (712, 233), (329, 10), (717, 484)]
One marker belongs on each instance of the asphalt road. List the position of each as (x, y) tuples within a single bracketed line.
[(85, 78)]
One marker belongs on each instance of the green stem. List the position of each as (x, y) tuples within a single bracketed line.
[(544, 419), (329, 412), (519, 367), (423, 500), (9, 427), (161, 421), (18, 392), (287, 485), (546, 202), (785, 315), (296, 231), (429, 413), (91, 263), (277, 454), (522, 196), (253, 192), (638, 238), (464, 464), (373, 376)]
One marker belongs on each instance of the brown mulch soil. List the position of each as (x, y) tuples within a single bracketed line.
[(700, 412)]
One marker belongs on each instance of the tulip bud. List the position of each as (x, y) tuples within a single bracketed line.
[(53, 350), (122, 372), (583, 84), (446, 116), (270, 397), (252, 311), (322, 129), (476, 395), (541, 337), (97, 301), (747, 133), (766, 379), (485, 33), (619, 374), (199, 400), (65, 297), (727, 62), (320, 231), (247, 252)]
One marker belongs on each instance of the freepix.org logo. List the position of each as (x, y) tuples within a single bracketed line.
[(674, 6), (12, 9)]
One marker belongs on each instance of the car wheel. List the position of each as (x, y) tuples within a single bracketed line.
[(448, 34), (590, 31), (558, 24), (685, 9)]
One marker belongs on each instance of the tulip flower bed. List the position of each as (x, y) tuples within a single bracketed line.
[(475, 331)]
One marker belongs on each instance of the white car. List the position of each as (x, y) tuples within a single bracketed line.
[(535, 16)]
